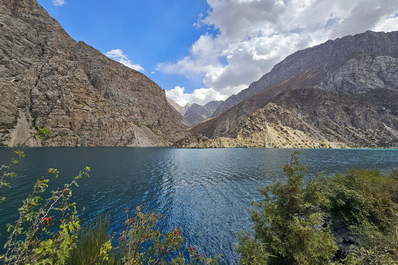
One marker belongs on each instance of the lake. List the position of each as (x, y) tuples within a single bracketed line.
[(205, 192)]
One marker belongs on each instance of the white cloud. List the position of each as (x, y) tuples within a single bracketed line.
[(365, 16), (202, 59), (121, 57), (389, 24), (253, 35), (58, 2), (200, 96)]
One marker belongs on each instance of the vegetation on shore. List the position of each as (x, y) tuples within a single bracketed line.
[(293, 224), (286, 223)]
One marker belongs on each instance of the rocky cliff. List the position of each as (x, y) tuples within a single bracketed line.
[(342, 93), (85, 99)]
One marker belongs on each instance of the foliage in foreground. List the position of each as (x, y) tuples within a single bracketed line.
[(48, 231), (6, 172), (288, 222), (139, 243), (94, 245), (367, 202)]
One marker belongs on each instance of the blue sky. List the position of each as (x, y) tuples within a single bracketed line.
[(200, 50), (148, 32)]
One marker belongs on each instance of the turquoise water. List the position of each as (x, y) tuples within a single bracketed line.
[(206, 192)]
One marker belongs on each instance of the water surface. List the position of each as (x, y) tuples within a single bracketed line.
[(206, 192)]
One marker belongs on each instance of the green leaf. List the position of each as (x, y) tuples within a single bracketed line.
[(20, 153)]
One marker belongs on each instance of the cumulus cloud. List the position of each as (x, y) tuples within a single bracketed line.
[(58, 2), (203, 58), (200, 96), (365, 16), (250, 36), (388, 24), (121, 57)]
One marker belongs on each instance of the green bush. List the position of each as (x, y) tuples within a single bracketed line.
[(366, 201), (363, 195), (33, 239), (287, 223)]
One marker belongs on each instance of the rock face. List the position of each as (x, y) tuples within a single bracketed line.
[(342, 93), (212, 106), (327, 56), (362, 75), (85, 99), (192, 114)]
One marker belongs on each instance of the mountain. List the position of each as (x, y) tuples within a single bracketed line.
[(342, 93), (192, 114), (197, 113), (328, 56), (212, 106), (177, 108), (49, 80), (180, 111)]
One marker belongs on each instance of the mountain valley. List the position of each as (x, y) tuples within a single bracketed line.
[(342, 93)]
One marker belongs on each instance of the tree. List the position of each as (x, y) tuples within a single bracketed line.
[(287, 223)]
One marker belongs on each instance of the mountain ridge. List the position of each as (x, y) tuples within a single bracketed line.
[(352, 101), (192, 114), (84, 98), (295, 63)]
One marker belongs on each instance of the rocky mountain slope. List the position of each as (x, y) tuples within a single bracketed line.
[(180, 111), (197, 113), (329, 56), (340, 93), (192, 114), (85, 99), (177, 108)]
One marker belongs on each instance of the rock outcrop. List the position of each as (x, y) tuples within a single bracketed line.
[(347, 97), (84, 98)]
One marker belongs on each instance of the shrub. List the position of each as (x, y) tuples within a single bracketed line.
[(287, 223), (139, 243), (363, 195), (6, 172), (46, 230), (366, 201)]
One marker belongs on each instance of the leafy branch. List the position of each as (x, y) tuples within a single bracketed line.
[(6, 172)]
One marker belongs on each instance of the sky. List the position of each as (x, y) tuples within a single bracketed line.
[(200, 50)]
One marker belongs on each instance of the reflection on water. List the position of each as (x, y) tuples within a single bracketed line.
[(206, 192)]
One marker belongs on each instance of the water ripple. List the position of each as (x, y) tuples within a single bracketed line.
[(205, 192)]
